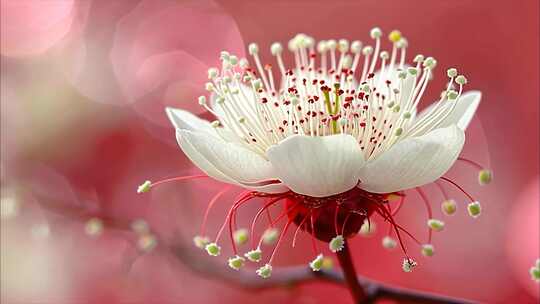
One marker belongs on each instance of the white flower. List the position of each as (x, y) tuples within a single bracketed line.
[(322, 132)]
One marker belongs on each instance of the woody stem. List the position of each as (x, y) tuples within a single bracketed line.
[(345, 261)]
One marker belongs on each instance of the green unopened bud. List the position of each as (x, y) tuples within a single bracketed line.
[(265, 271), (435, 225), (144, 187), (337, 243), (428, 250), (317, 263), (240, 236), (201, 241), (254, 255), (449, 207), (270, 236), (213, 249), (485, 176), (474, 209), (236, 262)]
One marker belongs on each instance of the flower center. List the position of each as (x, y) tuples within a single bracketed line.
[(328, 91)]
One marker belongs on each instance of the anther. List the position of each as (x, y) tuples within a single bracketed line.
[(276, 48), (236, 262), (449, 207), (367, 50), (147, 242), (202, 100), (394, 36), (253, 49), (418, 58), (428, 250), (212, 73), (461, 80), (389, 243), (337, 243), (201, 241), (270, 236), (474, 209), (485, 176), (317, 263), (356, 47), (452, 95), (265, 271), (240, 236), (254, 255), (144, 187), (94, 227), (436, 225), (213, 249), (368, 228), (408, 265), (343, 45), (375, 33), (451, 72)]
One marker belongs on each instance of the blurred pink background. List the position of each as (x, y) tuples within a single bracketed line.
[(83, 90)]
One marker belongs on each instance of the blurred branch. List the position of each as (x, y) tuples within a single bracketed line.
[(287, 277)]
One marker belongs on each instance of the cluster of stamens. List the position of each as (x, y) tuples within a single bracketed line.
[(334, 87)]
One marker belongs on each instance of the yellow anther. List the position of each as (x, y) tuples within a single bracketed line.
[(394, 36)]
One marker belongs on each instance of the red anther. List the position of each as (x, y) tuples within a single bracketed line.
[(313, 55), (371, 75), (276, 104), (316, 97), (264, 100), (365, 107), (314, 82), (304, 81), (388, 82), (321, 81), (267, 66)]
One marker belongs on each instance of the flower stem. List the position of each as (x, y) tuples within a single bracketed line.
[(357, 291)]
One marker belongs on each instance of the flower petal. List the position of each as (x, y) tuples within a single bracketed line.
[(414, 161), (232, 161), (463, 113), (317, 166), (185, 120)]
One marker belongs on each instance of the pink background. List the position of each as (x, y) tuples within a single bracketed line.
[(83, 87)]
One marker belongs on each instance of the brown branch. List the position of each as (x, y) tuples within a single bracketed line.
[(290, 276)]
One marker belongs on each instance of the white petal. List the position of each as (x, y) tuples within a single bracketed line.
[(185, 120), (414, 161), (317, 166), (463, 113), (232, 161)]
